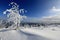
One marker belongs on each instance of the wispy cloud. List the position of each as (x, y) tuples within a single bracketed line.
[(55, 9), (48, 19), (52, 18)]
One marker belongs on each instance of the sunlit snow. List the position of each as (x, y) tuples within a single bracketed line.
[(26, 33)]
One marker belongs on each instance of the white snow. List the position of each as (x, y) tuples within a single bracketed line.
[(18, 35), (49, 33), (52, 33), (11, 35), (34, 33)]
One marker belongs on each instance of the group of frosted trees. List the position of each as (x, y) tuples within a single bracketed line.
[(13, 15)]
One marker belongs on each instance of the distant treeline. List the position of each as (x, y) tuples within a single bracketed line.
[(39, 24)]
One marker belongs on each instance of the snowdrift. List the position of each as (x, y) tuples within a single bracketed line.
[(46, 32)]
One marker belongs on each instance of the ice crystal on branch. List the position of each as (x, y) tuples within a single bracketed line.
[(14, 14)]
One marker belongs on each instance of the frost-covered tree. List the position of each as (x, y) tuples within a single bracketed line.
[(14, 14)]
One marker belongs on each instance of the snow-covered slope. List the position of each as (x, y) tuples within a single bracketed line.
[(18, 35), (11, 35), (52, 33)]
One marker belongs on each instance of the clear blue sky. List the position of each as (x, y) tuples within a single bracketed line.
[(35, 8)]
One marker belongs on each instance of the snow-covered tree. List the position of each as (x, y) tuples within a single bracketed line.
[(14, 14)]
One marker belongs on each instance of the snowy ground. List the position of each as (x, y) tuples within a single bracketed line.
[(50, 33), (18, 35)]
